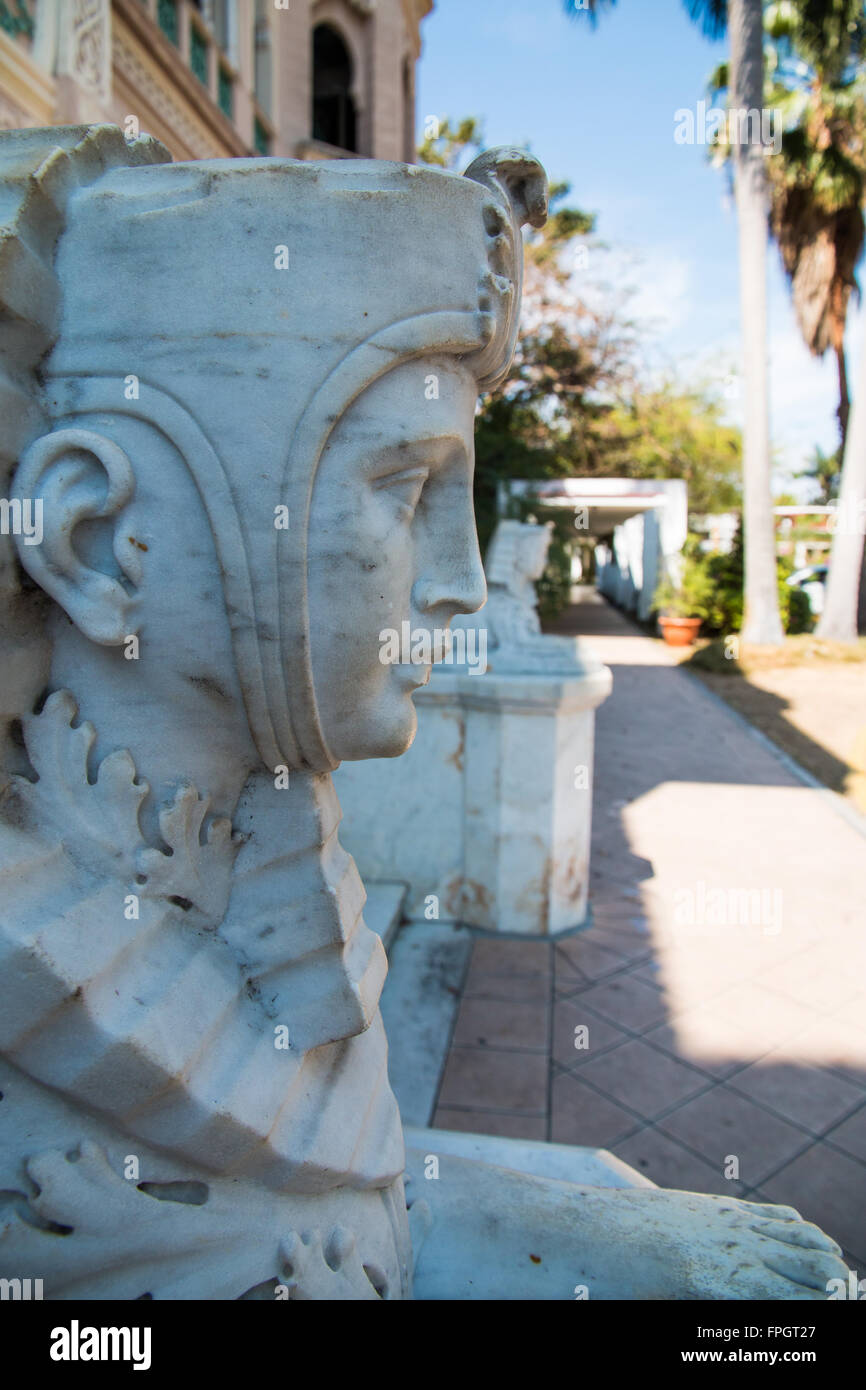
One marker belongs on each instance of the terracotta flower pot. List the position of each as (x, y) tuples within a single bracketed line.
[(679, 632)]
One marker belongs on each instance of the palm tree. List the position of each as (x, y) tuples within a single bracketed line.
[(823, 470), (817, 184), (838, 622), (761, 621), (817, 180), (816, 219), (744, 22), (832, 36)]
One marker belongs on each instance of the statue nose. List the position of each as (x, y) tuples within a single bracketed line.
[(456, 593)]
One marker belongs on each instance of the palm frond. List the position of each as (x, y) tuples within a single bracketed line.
[(712, 14), (586, 9)]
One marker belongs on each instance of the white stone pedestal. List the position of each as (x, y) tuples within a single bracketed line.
[(488, 816)]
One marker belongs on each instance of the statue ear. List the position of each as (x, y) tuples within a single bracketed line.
[(66, 478)]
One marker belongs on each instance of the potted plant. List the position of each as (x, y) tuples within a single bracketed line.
[(683, 605)]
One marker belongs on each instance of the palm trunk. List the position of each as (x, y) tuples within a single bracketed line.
[(762, 624), (839, 620), (844, 400)]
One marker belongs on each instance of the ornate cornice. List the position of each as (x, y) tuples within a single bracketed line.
[(27, 91), (153, 70)]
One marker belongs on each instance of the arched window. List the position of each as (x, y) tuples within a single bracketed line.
[(333, 106)]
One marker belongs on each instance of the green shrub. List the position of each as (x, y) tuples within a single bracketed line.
[(692, 597), (726, 608), (554, 586), (726, 573), (796, 610)]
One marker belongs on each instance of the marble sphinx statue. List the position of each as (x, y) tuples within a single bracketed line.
[(516, 558), (223, 472)]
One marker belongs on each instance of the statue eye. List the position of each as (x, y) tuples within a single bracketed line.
[(406, 486)]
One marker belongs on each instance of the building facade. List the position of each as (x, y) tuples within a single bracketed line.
[(210, 78)]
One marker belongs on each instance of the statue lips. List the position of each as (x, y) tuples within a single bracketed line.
[(413, 675)]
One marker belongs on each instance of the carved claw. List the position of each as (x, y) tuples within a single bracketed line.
[(333, 1270), (518, 177)]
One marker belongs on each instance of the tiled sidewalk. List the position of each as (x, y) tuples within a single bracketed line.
[(728, 1058)]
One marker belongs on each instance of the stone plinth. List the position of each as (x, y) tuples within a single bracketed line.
[(488, 815)]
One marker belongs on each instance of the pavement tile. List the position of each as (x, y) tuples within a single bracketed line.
[(721, 1123), (651, 971), (669, 1164), (625, 921), (489, 1122), (854, 1012), (830, 1189), (497, 956), (620, 931), (815, 979), (851, 1136), (611, 899), (569, 1014), (628, 1001), (710, 1041), (767, 1018), (635, 947), (801, 1093), (579, 1115), (625, 940), (497, 1023), (692, 976), (838, 1046), (498, 1080), (643, 1078), (530, 989), (689, 1040), (586, 960), (566, 984)]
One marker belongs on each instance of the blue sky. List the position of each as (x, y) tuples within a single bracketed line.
[(597, 107)]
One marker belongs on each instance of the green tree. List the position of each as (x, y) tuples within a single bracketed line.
[(573, 405), (815, 78), (816, 180), (726, 572), (541, 424), (824, 470), (671, 433), (451, 145)]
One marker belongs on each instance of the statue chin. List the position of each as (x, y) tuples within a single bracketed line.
[(385, 731)]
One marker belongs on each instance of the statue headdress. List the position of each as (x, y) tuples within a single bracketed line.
[(145, 249), (40, 170)]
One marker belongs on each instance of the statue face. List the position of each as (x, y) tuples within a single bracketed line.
[(392, 541), (536, 544)]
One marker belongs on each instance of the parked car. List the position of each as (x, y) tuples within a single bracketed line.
[(811, 579)]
